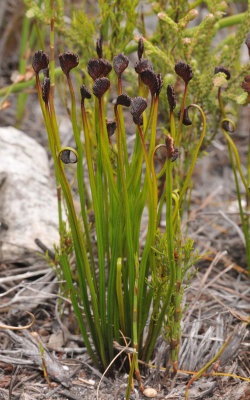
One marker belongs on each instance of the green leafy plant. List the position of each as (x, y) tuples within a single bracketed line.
[(133, 284)]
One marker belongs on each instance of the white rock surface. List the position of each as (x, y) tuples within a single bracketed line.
[(28, 204)]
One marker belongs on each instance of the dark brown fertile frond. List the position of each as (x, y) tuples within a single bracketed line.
[(143, 64), (99, 47), (100, 86), (94, 68), (186, 120), (40, 61), (138, 105), (106, 67), (120, 63), (123, 100), (159, 84), (85, 93), (169, 141), (171, 97), (45, 90), (68, 61), (184, 71), (149, 78), (140, 48)]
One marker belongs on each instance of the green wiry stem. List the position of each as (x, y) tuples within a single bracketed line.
[(97, 209), (79, 246), (169, 226), (137, 159), (80, 179), (122, 128), (135, 325), (150, 235), (236, 155), (120, 294), (171, 260), (172, 124), (177, 297), (153, 127), (104, 149), (221, 105), (130, 244), (78, 313), (244, 221), (83, 266), (245, 227), (178, 134), (153, 320), (49, 120), (191, 168), (98, 221), (130, 377)]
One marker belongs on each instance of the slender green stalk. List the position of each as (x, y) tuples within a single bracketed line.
[(130, 377), (80, 178), (105, 166), (178, 134), (130, 244), (236, 155), (172, 124), (175, 335), (100, 204), (137, 158), (119, 294), (81, 254), (67, 275), (169, 226), (243, 220), (150, 235), (171, 261), (52, 108), (122, 127), (83, 266), (221, 103), (154, 327), (98, 218), (92, 182), (104, 149), (232, 149), (77, 238), (135, 325), (195, 154)]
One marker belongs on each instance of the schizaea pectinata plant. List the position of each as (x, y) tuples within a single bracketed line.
[(125, 286)]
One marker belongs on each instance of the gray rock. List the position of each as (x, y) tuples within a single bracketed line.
[(28, 204)]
